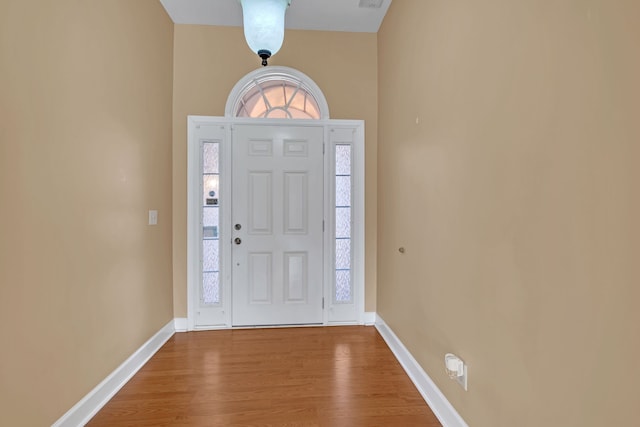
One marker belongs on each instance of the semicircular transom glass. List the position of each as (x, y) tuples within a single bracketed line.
[(279, 98)]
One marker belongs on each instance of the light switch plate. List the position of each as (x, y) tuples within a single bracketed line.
[(153, 217)]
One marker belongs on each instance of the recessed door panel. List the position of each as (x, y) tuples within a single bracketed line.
[(293, 148), (295, 277), (260, 202), (261, 147), (260, 278), (296, 202)]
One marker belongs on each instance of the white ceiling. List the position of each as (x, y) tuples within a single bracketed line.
[(327, 15)]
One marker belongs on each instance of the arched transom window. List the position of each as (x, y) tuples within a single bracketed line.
[(277, 93), (278, 99)]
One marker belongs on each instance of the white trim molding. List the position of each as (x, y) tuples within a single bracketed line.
[(181, 324), (438, 403), (85, 409), (369, 318)]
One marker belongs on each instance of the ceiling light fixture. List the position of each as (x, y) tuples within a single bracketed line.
[(264, 26)]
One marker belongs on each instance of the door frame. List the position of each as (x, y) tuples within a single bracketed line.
[(335, 132)]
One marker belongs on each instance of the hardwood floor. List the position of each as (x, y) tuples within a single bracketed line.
[(325, 377)]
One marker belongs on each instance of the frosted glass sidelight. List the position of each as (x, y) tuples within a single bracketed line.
[(343, 254), (210, 216), (210, 255), (210, 157), (210, 190), (210, 291), (343, 159), (343, 191), (343, 291), (343, 286), (343, 223), (210, 288)]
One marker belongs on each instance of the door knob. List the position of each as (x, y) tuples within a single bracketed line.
[(238, 226), (237, 240)]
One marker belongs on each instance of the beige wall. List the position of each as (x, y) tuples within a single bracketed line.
[(85, 151), (209, 61), (516, 197)]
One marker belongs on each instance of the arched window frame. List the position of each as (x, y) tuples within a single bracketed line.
[(271, 73)]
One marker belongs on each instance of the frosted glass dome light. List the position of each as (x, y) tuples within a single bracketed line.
[(264, 25)]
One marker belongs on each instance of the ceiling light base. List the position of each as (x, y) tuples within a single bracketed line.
[(264, 54)]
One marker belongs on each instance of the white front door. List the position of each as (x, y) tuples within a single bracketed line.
[(277, 216)]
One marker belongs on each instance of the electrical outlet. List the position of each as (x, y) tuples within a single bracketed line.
[(456, 369)]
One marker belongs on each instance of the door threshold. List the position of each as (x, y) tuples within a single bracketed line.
[(293, 325)]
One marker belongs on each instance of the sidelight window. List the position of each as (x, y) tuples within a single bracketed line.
[(210, 290), (343, 221)]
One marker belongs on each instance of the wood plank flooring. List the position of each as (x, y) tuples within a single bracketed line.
[(303, 377)]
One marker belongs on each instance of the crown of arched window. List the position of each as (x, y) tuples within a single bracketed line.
[(277, 93)]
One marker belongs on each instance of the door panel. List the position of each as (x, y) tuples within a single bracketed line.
[(295, 203), (260, 202), (260, 278), (295, 277), (277, 251)]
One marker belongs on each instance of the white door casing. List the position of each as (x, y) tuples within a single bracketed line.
[(218, 129)]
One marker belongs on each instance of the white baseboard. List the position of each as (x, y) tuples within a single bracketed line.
[(438, 403), (181, 324), (369, 318), (86, 408)]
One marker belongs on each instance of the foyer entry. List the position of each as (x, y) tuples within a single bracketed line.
[(275, 209)]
